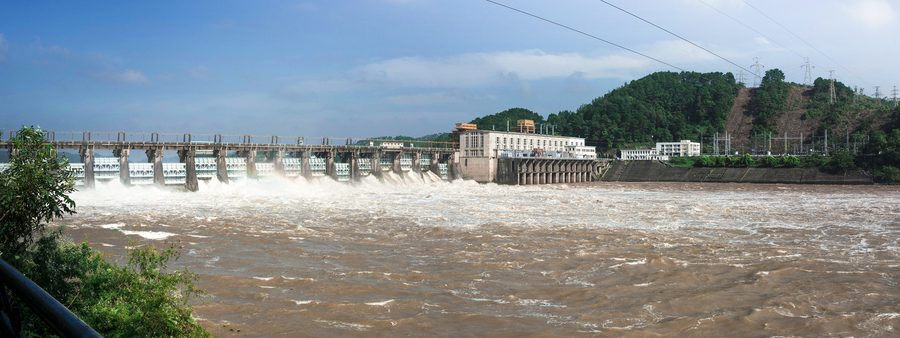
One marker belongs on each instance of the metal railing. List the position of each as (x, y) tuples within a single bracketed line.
[(62, 321), (90, 136)]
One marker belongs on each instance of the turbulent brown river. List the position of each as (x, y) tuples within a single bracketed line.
[(438, 259)]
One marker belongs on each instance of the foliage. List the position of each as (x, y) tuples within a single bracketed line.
[(769, 100), (32, 191), (789, 161), (682, 161), (769, 161), (745, 161), (832, 113), (840, 162), (662, 106), (137, 300), (813, 161), (882, 155), (499, 120), (704, 161), (140, 299)]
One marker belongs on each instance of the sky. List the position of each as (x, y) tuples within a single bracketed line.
[(357, 69)]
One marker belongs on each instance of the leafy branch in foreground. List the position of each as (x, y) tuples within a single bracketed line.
[(140, 299)]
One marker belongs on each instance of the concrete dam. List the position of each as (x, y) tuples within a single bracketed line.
[(210, 159), (234, 157)]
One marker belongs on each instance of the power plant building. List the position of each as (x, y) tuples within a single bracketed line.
[(480, 149)]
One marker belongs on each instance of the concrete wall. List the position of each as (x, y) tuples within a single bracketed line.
[(652, 171), (479, 169)]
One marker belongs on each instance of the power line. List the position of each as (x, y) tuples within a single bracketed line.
[(804, 41), (751, 28), (586, 34), (676, 35)]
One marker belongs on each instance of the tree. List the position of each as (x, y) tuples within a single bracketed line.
[(33, 191), (769, 100), (840, 162), (139, 300), (499, 120)]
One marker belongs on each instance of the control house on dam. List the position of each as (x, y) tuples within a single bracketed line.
[(525, 156)]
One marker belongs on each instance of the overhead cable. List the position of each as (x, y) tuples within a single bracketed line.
[(583, 33), (751, 28), (804, 41), (676, 35)]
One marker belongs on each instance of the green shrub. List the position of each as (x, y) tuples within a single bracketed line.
[(744, 161), (704, 161), (140, 299), (789, 161)]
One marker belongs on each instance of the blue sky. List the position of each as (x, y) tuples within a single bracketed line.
[(394, 67)]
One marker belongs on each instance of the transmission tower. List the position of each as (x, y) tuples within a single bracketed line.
[(894, 95), (741, 77), (807, 80), (758, 67), (831, 88), (877, 96)]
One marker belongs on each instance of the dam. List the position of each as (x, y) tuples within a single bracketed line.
[(235, 157)]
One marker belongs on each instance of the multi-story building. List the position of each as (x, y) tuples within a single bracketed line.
[(642, 155), (479, 150), (682, 148), (663, 151), (494, 144)]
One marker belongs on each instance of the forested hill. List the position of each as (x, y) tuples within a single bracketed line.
[(661, 106)]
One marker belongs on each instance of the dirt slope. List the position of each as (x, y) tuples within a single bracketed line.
[(740, 121)]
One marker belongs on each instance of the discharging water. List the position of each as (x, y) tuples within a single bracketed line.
[(324, 259)]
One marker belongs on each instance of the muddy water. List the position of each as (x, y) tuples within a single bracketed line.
[(322, 259)]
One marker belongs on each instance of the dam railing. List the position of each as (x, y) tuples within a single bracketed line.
[(190, 138), (62, 321)]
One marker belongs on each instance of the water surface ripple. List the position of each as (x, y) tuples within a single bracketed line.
[(323, 259)]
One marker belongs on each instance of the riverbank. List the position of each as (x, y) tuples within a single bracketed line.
[(652, 171)]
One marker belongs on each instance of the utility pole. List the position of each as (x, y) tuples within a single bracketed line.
[(831, 88), (807, 80), (758, 78), (855, 96)]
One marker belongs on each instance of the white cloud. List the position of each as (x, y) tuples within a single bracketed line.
[(875, 14), (128, 76), (55, 49), (304, 89), (199, 73), (4, 47), (761, 40), (166, 76), (486, 69), (449, 96), (480, 69)]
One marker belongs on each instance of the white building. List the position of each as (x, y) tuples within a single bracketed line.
[(492, 144), (663, 151), (683, 148), (582, 152), (479, 150), (642, 155)]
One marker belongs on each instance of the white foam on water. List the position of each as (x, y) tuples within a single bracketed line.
[(149, 234)]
